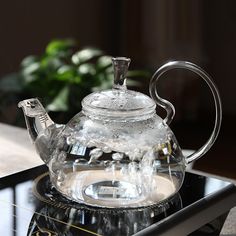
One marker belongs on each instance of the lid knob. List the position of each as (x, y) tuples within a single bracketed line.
[(120, 66)]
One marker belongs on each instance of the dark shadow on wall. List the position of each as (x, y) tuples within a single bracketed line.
[(26, 27), (151, 33)]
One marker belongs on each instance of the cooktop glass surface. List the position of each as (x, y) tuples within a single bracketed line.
[(29, 205)]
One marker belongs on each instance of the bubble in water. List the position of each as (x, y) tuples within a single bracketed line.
[(147, 170), (60, 143), (82, 141), (62, 156), (133, 167), (135, 155), (78, 163), (106, 163), (112, 166), (104, 122), (95, 154), (117, 156), (106, 149), (55, 153), (138, 154), (70, 140), (148, 158), (124, 170), (60, 176), (115, 136), (130, 155), (91, 143)]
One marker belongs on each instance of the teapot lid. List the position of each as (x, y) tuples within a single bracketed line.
[(119, 102)]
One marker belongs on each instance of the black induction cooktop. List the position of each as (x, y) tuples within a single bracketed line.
[(30, 205)]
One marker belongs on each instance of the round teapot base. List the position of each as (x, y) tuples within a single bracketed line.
[(98, 188)]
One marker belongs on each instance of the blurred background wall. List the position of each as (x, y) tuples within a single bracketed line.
[(150, 33)]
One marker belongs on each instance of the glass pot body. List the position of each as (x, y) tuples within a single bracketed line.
[(117, 153), (117, 163)]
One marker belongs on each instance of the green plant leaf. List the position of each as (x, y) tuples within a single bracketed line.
[(27, 61), (57, 46), (87, 68), (105, 82), (62, 78), (85, 55), (60, 102), (31, 68), (50, 63), (65, 73), (104, 62)]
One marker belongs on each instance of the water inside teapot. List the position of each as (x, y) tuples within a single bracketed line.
[(112, 172)]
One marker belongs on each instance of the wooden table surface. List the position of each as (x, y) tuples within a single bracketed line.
[(16, 150)]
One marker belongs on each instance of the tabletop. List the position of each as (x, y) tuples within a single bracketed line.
[(17, 153), (16, 150)]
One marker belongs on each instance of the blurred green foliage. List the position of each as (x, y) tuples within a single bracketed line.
[(61, 77)]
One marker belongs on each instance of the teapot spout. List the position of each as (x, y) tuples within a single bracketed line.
[(36, 117), (41, 128)]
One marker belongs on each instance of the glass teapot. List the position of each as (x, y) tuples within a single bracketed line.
[(117, 152)]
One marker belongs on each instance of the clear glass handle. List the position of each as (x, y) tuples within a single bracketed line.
[(170, 108)]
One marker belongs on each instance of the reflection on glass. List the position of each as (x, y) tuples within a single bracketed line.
[(59, 215), (26, 211), (212, 185), (6, 220)]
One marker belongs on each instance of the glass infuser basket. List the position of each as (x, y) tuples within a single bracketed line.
[(117, 152)]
